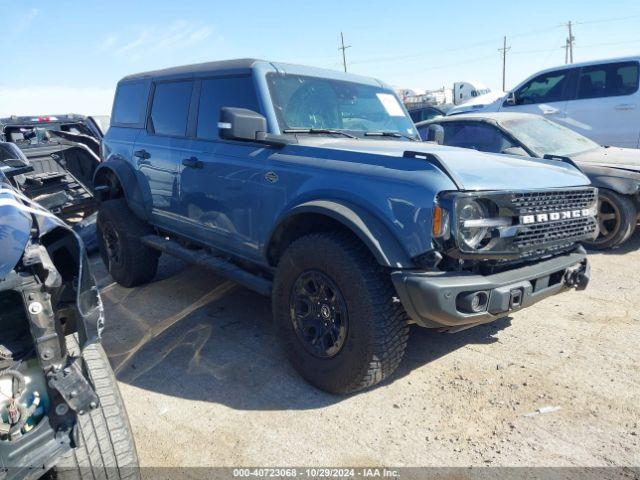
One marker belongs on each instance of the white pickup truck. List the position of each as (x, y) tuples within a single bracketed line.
[(598, 99)]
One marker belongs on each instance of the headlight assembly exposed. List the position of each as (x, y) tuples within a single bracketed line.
[(471, 215)]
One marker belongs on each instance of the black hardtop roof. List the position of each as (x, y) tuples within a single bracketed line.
[(236, 66)]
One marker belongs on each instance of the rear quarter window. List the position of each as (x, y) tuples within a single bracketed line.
[(129, 104), (608, 80), (170, 108)]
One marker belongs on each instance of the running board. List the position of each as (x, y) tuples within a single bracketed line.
[(220, 266)]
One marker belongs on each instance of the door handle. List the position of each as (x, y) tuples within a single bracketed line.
[(142, 154), (625, 106), (550, 111), (192, 162)]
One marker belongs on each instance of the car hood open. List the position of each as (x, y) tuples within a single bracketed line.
[(473, 170)]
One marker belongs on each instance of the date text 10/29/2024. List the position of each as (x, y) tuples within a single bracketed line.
[(315, 473)]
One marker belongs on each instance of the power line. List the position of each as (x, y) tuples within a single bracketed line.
[(344, 49), (489, 41), (606, 20), (555, 49)]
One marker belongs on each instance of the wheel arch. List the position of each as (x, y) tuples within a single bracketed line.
[(323, 215), (116, 179)]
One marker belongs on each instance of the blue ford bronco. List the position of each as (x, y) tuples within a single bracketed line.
[(311, 186)]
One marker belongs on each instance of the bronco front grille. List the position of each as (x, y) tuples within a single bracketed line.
[(543, 202), (568, 231)]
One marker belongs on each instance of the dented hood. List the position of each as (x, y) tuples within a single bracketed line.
[(472, 170)]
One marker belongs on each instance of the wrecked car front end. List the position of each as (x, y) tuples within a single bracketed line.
[(62, 153), (47, 294)]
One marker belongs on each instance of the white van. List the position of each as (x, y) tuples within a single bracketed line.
[(598, 99)]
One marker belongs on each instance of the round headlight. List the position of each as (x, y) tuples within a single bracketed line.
[(468, 212)]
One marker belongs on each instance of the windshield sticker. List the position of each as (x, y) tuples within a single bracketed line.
[(390, 104)]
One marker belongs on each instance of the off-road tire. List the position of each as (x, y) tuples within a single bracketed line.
[(378, 328), (135, 264), (107, 449), (626, 220)]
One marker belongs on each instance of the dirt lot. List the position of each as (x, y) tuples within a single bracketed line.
[(206, 384)]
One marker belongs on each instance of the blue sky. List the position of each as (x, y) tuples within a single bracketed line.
[(70, 54)]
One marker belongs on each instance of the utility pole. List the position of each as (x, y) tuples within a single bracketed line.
[(570, 41), (504, 51), (343, 48)]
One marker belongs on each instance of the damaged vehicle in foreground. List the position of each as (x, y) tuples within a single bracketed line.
[(60, 408), (61, 154)]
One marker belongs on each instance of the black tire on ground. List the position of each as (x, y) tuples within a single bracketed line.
[(108, 450), (617, 218), (128, 260), (377, 333)]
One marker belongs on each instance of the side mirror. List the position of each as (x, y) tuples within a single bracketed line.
[(515, 151), (511, 99), (435, 133), (241, 124)]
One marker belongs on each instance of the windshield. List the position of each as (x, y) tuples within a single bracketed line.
[(303, 102), (548, 138)]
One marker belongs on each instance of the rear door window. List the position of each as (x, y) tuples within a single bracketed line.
[(129, 104), (215, 93), (170, 108), (608, 80)]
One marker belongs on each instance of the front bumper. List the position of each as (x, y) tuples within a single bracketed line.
[(433, 299)]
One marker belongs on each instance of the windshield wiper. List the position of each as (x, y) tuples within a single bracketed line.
[(318, 131), (390, 134)]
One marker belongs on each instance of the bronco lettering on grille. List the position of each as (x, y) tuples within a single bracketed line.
[(553, 216)]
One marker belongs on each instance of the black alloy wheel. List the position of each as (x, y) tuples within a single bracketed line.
[(319, 314)]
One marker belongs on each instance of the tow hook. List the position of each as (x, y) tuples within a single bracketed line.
[(578, 276)]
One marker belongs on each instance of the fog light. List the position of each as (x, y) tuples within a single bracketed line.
[(473, 302)]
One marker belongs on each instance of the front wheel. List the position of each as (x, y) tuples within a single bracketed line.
[(617, 218), (336, 314), (107, 448)]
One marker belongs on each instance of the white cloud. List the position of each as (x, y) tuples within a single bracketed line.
[(55, 99), (109, 42), (154, 40), (26, 20)]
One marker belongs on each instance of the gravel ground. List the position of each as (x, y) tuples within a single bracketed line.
[(206, 384)]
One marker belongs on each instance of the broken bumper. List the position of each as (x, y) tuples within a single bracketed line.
[(454, 299)]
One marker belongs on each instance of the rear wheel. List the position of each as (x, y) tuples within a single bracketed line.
[(128, 260), (336, 314), (107, 449), (617, 218)]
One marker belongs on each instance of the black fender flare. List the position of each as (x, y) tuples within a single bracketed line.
[(611, 179), (385, 247), (127, 178)]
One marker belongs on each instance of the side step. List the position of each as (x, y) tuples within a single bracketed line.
[(222, 267)]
